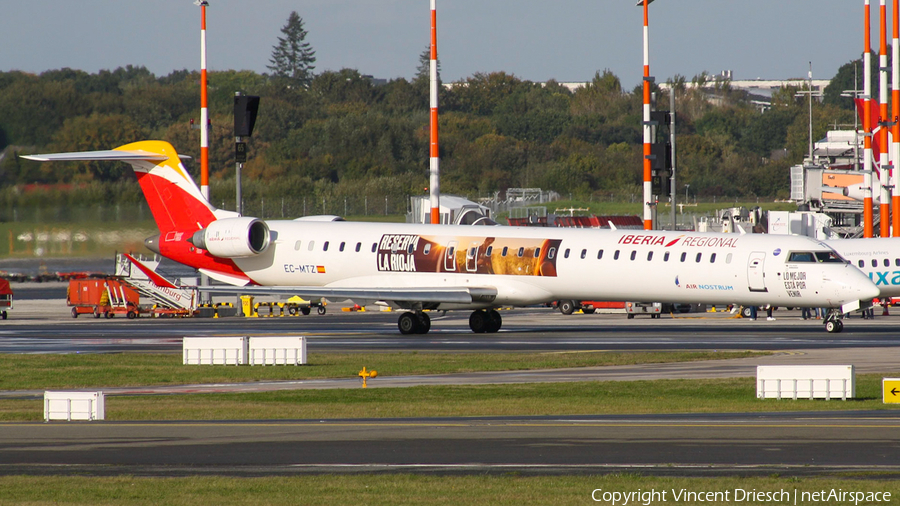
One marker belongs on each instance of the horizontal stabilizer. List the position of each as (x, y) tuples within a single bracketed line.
[(108, 155), (174, 199)]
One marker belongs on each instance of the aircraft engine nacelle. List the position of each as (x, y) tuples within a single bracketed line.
[(233, 237)]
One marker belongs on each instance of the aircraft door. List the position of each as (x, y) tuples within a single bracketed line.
[(755, 273), (450, 256), (472, 257)]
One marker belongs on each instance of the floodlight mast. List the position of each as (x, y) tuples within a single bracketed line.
[(647, 80)]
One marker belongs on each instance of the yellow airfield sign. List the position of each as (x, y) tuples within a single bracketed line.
[(891, 390)]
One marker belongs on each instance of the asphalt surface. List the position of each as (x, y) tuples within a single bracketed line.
[(681, 445)]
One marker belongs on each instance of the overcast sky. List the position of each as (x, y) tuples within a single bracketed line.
[(566, 40)]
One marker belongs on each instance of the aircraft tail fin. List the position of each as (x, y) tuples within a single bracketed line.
[(173, 197)]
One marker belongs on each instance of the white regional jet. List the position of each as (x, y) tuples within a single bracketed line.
[(877, 257), (417, 267)]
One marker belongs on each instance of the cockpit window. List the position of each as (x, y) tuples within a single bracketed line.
[(830, 257), (801, 256), (815, 257)]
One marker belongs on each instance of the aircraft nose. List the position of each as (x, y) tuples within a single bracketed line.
[(870, 292), (864, 287)]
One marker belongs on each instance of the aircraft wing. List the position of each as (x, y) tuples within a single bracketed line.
[(449, 295)]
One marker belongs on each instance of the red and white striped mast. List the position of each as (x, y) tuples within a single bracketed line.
[(204, 111), (895, 118), (648, 167), (867, 126), (435, 173), (883, 120)]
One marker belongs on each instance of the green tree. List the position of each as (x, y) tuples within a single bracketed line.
[(844, 81), (91, 133), (293, 57), (423, 69)]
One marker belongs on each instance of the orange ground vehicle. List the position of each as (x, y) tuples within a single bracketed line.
[(102, 297), (6, 298)]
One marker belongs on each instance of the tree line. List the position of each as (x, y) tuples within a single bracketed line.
[(342, 133)]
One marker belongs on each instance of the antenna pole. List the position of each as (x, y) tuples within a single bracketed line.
[(204, 111), (883, 121), (868, 218), (434, 160)]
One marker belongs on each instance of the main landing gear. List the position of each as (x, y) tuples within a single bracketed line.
[(480, 321), (833, 324), (414, 323), (485, 320)]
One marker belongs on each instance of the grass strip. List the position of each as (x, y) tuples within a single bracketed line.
[(730, 395), (405, 489), (44, 372)]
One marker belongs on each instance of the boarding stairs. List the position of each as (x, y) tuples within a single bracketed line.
[(876, 222), (180, 298)]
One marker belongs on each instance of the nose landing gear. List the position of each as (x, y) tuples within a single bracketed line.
[(833, 324)]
